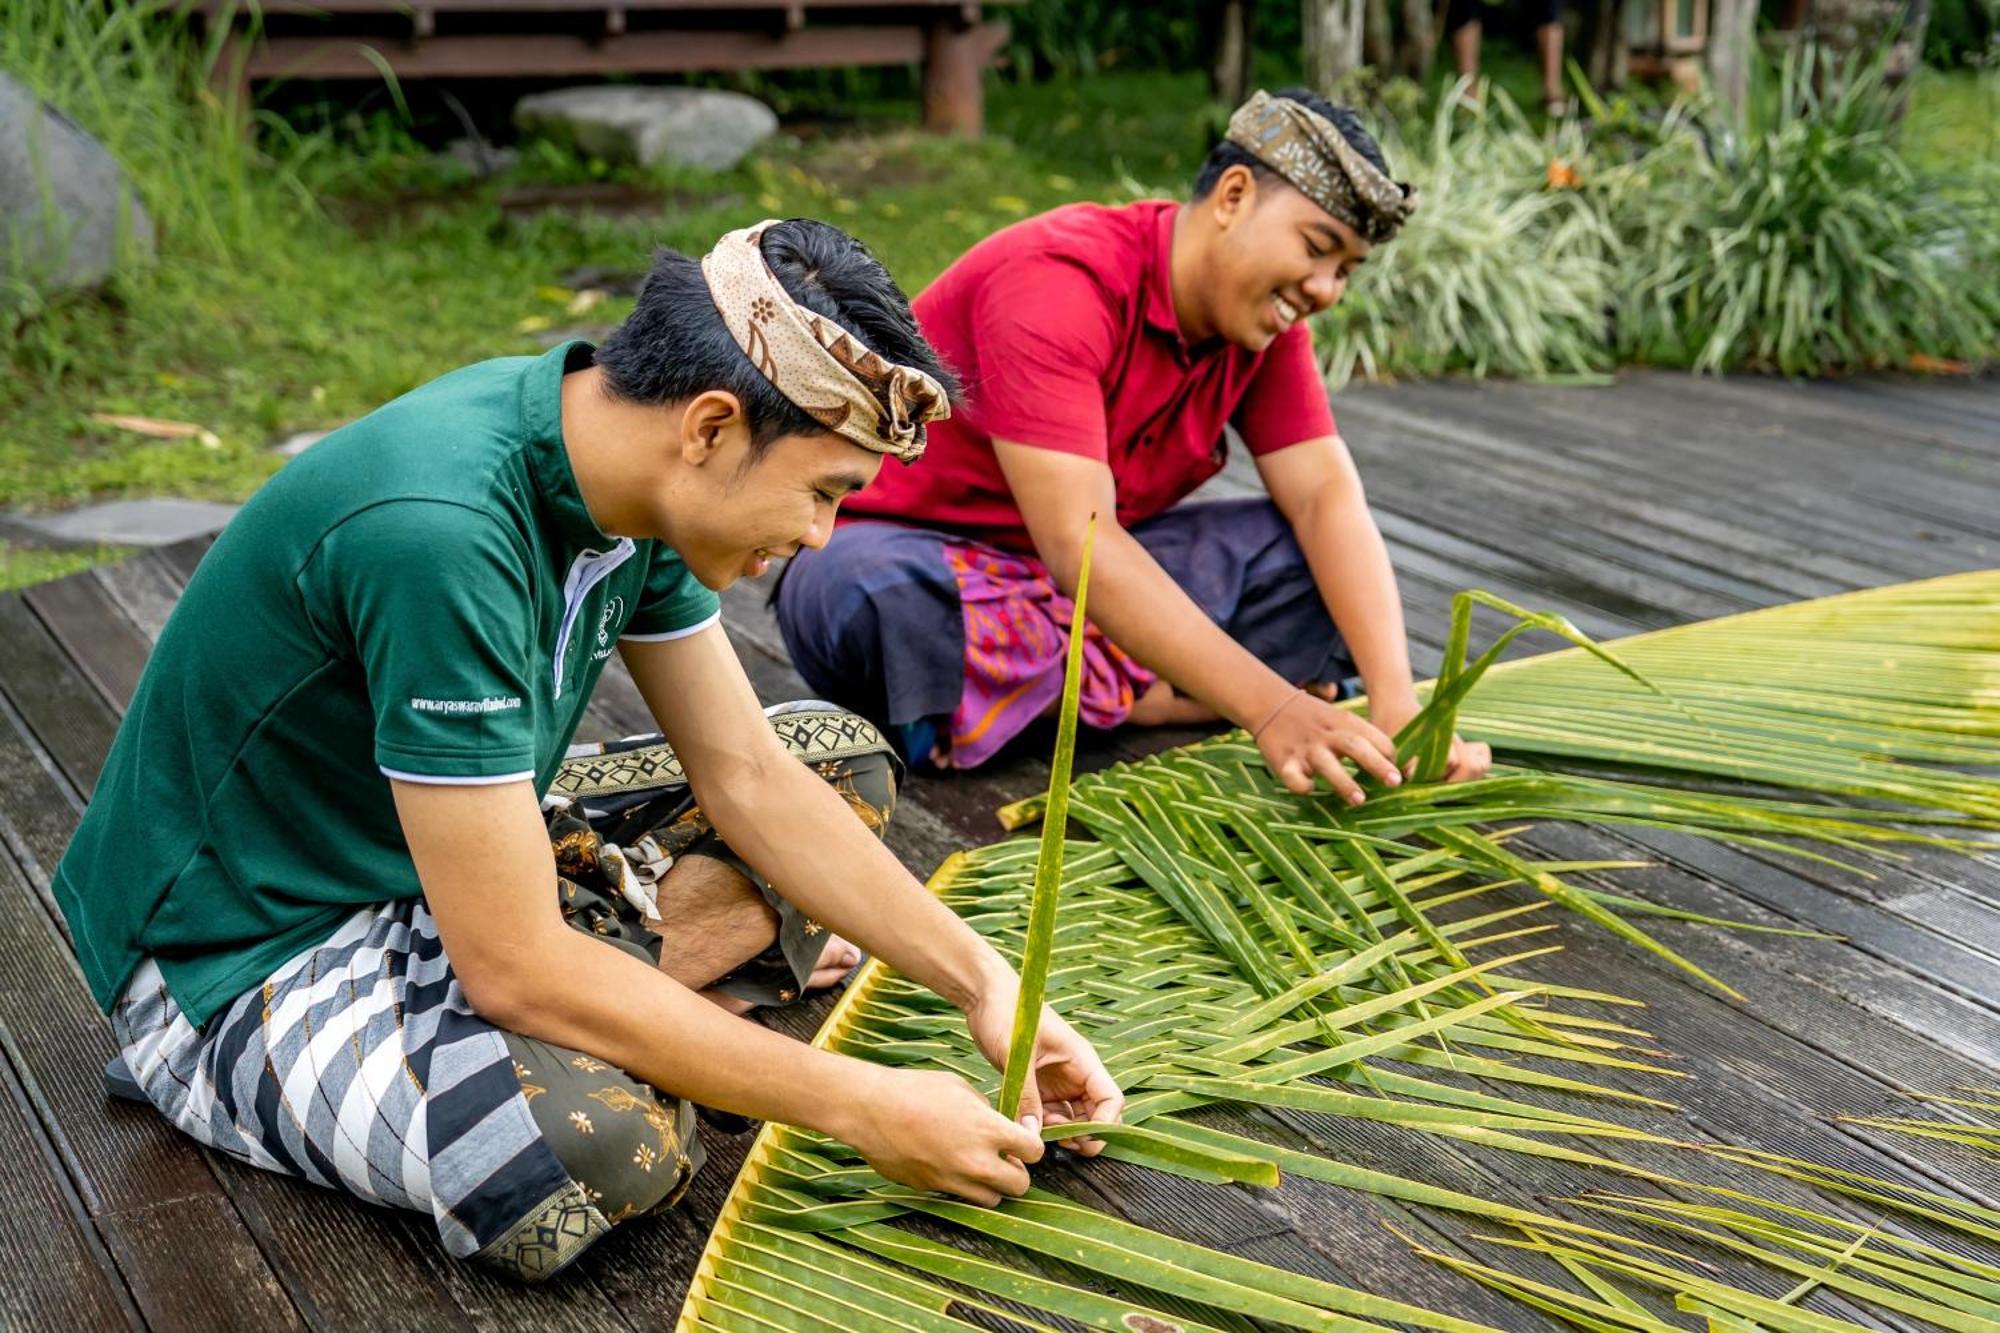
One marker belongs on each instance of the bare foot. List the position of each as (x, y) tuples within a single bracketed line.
[(835, 961), (1162, 706)]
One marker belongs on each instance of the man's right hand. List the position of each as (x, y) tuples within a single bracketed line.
[(933, 1131), (1307, 737)]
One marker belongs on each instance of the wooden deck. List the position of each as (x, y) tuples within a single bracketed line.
[(1662, 500)]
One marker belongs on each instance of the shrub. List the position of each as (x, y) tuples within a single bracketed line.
[(1808, 245), (1504, 268)]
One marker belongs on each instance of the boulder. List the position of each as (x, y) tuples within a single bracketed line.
[(68, 216), (696, 127)]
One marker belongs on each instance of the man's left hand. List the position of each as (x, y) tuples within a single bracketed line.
[(1469, 759), (1068, 1083)]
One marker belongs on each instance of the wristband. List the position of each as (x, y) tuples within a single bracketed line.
[(1259, 728)]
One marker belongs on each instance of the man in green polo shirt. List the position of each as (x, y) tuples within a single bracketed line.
[(316, 888)]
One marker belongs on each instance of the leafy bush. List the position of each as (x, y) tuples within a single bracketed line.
[(1503, 269), (1808, 245)]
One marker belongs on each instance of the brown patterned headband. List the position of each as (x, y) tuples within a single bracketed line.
[(1309, 150), (827, 372)]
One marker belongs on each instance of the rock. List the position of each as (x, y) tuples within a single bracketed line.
[(68, 216), (697, 127), (479, 157), (159, 522)]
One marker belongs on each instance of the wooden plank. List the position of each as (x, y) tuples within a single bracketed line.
[(400, 8), (1584, 489), (145, 588), (58, 1274), (125, 1161), (183, 558), (61, 719), (1775, 485), (104, 642), (488, 55)]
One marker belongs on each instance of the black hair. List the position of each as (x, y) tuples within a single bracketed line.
[(674, 344), (1226, 154)]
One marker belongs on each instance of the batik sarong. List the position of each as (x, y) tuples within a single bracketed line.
[(359, 1065), (948, 641)]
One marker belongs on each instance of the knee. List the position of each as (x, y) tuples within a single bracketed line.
[(869, 787), (630, 1150)]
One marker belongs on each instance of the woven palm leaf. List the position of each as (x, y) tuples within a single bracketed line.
[(1228, 945)]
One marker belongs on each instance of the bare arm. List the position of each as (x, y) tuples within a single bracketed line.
[(1140, 608), (780, 817), (489, 879), (1316, 487)]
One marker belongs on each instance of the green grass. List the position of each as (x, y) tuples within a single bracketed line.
[(1954, 121), (23, 565), (335, 307)]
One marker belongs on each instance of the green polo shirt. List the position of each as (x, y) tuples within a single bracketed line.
[(423, 595)]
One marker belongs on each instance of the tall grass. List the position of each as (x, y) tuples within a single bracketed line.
[(137, 77)]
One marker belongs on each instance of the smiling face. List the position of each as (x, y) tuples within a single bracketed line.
[(735, 508), (1272, 257)]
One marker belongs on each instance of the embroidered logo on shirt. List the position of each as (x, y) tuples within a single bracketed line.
[(613, 616), (490, 704)]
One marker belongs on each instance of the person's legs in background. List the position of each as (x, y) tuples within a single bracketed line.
[(1549, 48), (1462, 23)]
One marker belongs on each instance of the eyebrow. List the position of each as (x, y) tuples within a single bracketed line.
[(846, 483), (1334, 239)]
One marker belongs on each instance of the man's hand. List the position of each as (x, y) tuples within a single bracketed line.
[(933, 1131), (1469, 759), (1306, 738), (1069, 1084)]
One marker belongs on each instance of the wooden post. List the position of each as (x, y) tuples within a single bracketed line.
[(1332, 42), (1732, 44), (1378, 40), (1418, 49), (955, 56), (1230, 75)]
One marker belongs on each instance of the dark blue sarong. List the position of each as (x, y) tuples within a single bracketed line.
[(873, 620)]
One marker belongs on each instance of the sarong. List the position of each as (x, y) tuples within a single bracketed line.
[(359, 1065), (940, 638)]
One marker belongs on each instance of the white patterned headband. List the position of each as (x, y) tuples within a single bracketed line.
[(1309, 150), (827, 372)]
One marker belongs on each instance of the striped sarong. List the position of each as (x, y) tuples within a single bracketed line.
[(360, 1066)]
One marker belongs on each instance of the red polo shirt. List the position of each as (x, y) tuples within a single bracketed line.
[(1062, 330)]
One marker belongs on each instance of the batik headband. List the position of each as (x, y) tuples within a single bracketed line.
[(827, 372), (1309, 150)]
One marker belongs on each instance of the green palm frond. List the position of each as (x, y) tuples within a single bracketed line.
[(1227, 944)]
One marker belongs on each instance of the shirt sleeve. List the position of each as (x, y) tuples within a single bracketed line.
[(1046, 334), (433, 601), (1286, 402), (673, 603)]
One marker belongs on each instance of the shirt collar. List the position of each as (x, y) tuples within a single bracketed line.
[(548, 457), (1159, 278)]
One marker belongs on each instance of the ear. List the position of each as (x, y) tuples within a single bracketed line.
[(712, 420), (1234, 196)]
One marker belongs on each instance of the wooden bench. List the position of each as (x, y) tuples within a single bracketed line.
[(478, 39)]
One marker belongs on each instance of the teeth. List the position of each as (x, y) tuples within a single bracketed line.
[(1287, 312)]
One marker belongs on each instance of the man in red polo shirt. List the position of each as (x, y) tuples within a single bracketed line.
[(1103, 351)]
